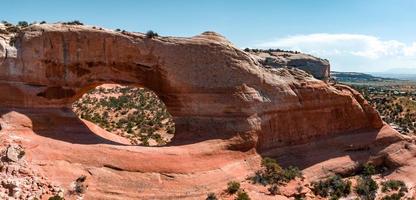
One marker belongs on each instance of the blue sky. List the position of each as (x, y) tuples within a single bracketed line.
[(355, 35)]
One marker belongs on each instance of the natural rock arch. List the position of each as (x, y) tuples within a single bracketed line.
[(212, 89)]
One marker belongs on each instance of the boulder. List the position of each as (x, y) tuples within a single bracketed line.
[(14, 153)]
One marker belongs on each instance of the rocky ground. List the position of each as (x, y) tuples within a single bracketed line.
[(19, 180)]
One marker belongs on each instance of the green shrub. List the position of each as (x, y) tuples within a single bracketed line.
[(22, 23), (366, 188), (75, 22), (334, 187), (291, 173), (233, 187), (211, 196), (80, 187), (368, 169), (393, 185), (151, 34), (273, 173), (6, 23), (241, 195)]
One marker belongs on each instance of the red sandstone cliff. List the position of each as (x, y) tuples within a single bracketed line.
[(211, 88)]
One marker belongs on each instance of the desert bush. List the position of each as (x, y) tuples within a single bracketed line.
[(151, 34), (75, 22), (6, 23), (291, 173), (211, 196), (241, 195), (22, 23), (393, 185), (80, 187), (366, 187), (334, 187), (233, 187), (273, 173), (368, 169)]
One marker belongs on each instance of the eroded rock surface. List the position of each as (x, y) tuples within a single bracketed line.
[(228, 105), (212, 89), (318, 67)]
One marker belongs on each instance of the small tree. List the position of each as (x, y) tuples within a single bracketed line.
[(151, 34), (366, 188), (22, 23), (335, 187), (368, 169)]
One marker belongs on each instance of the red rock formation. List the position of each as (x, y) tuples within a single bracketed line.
[(211, 88), (227, 108), (318, 67)]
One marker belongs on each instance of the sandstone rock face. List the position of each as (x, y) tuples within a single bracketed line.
[(228, 105), (211, 88), (318, 67)]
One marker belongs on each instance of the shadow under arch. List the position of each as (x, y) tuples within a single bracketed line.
[(349, 150), (60, 124)]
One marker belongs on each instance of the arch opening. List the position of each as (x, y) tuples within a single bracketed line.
[(134, 113)]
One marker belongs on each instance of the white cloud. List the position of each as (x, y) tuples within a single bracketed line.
[(351, 50)]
